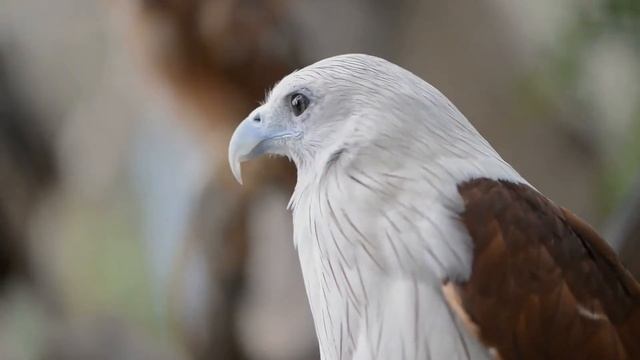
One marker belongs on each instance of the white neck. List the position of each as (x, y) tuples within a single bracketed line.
[(377, 228), (369, 305)]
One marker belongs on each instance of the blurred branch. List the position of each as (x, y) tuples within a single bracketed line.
[(205, 48), (216, 58), (27, 170)]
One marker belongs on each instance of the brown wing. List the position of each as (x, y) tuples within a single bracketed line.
[(544, 284)]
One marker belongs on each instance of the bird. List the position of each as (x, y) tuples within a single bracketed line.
[(417, 240)]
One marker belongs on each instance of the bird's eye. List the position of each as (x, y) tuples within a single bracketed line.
[(299, 103)]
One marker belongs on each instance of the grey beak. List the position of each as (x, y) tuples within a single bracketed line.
[(245, 145), (252, 139)]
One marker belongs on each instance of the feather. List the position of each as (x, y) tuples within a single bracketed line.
[(544, 284)]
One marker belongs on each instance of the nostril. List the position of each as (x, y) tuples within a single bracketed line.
[(257, 118)]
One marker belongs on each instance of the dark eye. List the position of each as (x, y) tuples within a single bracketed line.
[(299, 103)]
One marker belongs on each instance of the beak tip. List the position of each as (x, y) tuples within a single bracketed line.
[(239, 179), (237, 171)]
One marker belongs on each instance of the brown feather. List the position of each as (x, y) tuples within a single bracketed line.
[(544, 285)]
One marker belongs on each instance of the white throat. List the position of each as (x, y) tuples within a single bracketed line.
[(373, 273)]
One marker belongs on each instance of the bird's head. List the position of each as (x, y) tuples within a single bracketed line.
[(350, 102), (307, 109)]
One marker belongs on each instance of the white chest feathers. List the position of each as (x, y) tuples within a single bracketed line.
[(375, 250)]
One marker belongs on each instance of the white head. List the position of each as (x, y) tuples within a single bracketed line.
[(313, 111)]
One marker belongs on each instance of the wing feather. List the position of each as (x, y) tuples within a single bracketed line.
[(544, 284)]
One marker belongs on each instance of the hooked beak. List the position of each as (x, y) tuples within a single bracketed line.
[(250, 140)]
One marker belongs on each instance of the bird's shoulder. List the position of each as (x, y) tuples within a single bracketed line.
[(543, 282)]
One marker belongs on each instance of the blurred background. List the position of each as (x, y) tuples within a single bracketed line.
[(122, 233)]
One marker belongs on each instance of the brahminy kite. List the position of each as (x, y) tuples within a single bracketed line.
[(418, 241)]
